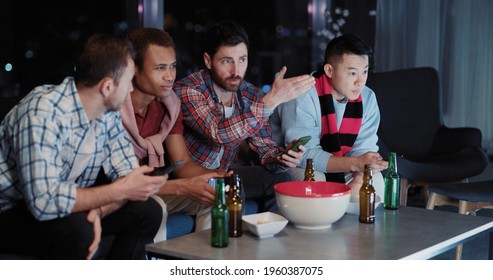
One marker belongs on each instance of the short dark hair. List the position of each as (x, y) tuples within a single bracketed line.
[(346, 44), (102, 56), (142, 38), (224, 33)]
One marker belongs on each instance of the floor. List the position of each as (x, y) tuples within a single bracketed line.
[(476, 249)]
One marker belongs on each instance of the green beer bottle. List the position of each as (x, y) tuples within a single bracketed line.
[(219, 216), (392, 185)]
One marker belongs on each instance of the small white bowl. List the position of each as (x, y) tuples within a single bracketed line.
[(265, 224)]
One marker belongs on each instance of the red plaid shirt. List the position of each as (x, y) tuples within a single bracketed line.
[(207, 129)]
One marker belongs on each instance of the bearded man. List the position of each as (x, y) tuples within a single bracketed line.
[(221, 111)]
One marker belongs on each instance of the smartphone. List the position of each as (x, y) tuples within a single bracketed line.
[(302, 141), (163, 170)]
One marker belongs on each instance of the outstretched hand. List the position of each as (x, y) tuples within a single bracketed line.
[(284, 90)]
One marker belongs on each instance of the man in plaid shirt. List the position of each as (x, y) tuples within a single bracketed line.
[(221, 111), (53, 145)]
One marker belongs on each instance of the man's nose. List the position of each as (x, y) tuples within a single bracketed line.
[(359, 81), (234, 69), (167, 75)]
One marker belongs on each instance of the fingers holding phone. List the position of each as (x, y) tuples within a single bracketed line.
[(160, 171), (292, 159), (294, 152), (138, 185), (295, 144)]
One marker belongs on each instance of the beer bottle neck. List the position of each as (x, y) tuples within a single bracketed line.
[(392, 163), (235, 185), (220, 196), (367, 176)]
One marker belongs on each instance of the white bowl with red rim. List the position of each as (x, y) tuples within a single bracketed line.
[(312, 205)]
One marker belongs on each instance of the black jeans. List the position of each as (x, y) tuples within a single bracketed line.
[(259, 185), (133, 226)]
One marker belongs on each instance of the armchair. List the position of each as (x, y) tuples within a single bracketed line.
[(410, 102)]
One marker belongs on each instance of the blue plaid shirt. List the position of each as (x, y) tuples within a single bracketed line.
[(39, 139)]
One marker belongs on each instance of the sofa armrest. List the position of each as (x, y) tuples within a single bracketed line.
[(454, 139)]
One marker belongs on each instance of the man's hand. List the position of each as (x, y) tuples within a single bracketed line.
[(373, 158), (221, 173), (292, 158), (139, 187), (355, 184), (198, 188), (94, 218), (284, 90)]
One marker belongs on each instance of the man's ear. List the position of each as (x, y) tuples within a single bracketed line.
[(207, 61), (106, 86), (328, 70)]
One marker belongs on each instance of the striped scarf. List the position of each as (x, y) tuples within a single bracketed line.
[(337, 142)]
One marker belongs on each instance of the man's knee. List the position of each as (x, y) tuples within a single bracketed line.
[(71, 237), (150, 213), (155, 212)]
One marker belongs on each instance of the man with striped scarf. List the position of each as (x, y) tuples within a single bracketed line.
[(340, 114)]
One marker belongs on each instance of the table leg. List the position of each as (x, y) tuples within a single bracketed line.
[(490, 252)]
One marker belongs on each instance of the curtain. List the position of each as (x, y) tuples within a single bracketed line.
[(451, 36)]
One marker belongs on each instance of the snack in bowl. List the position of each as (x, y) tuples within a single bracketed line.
[(312, 205), (265, 224)]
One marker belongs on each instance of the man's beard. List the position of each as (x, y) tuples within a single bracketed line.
[(223, 83)]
